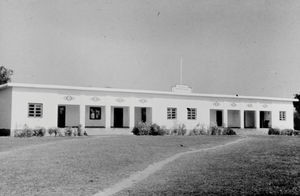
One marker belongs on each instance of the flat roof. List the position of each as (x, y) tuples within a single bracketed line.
[(62, 87)]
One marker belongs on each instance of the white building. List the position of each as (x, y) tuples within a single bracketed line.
[(100, 108)]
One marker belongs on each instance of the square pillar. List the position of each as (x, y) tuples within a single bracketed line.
[(131, 117), (242, 120), (257, 119), (107, 116), (82, 115), (225, 118)]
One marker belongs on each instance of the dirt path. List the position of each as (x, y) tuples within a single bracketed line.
[(141, 175)]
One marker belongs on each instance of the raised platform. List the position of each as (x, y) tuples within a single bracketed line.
[(251, 131), (108, 131)]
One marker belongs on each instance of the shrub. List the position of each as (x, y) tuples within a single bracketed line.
[(296, 132), (273, 131), (4, 132), (39, 131), (142, 129), (56, 131), (68, 131), (80, 130), (228, 131), (287, 132), (25, 132), (165, 130), (53, 130), (179, 129), (214, 130), (148, 129), (156, 130), (199, 129)]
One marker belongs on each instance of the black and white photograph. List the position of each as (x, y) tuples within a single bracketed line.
[(149, 97)]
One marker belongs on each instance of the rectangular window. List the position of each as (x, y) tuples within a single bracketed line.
[(191, 113), (95, 113), (172, 113), (282, 115), (35, 110)]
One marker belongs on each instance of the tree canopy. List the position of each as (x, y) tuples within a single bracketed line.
[(297, 103), (5, 75)]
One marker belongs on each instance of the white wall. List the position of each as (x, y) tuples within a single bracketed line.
[(159, 104), (5, 108)]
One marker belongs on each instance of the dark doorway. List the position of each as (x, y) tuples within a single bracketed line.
[(219, 117), (118, 117), (264, 117), (61, 116), (143, 112)]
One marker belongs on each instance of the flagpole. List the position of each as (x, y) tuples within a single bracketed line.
[(181, 70)]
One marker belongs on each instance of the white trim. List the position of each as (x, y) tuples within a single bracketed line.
[(61, 87)]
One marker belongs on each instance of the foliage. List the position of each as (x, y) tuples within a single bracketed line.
[(25, 132), (156, 130), (228, 131), (4, 132), (296, 120), (68, 131), (53, 130), (39, 131), (179, 129), (148, 129), (142, 128), (56, 131), (297, 103), (80, 130), (274, 131), (5, 75), (199, 129), (214, 130), (287, 132)]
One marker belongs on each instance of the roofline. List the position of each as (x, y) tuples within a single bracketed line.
[(62, 87)]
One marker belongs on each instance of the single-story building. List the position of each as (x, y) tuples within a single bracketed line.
[(97, 109)]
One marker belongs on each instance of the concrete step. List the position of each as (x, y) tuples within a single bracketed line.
[(251, 131)]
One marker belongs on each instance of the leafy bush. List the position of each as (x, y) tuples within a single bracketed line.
[(25, 132), (142, 128), (165, 130), (4, 132), (179, 129), (148, 129), (287, 132), (53, 130), (214, 130), (156, 130), (199, 129), (273, 131), (228, 131), (68, 131), (56, 131), (80, 130), (296, 132), (39, 132)]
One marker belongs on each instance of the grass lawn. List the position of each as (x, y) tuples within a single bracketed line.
[(262, 165), (85, 165)]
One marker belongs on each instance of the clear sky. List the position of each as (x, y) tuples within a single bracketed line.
[(249, 47)]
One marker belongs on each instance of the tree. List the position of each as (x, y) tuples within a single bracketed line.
[(5, 75), (297, 112)]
